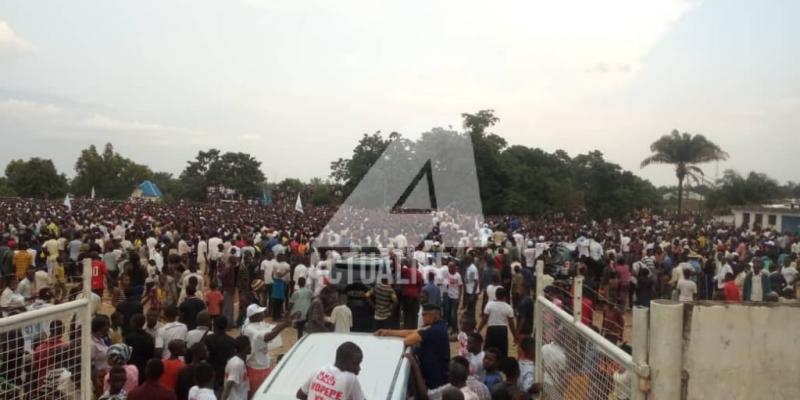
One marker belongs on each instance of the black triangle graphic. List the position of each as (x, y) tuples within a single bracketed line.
[(425, 172)]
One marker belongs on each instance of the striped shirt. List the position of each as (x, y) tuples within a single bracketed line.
[(382, 295)]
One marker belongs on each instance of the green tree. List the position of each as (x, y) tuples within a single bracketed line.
[(110, 174), (736, 190), (684, 151), (35, 178), (5, 190), (321, 195), (487, 147), (238, 171), (349, 171), (290, 185)]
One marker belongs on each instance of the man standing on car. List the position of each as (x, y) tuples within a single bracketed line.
[(434, 345)]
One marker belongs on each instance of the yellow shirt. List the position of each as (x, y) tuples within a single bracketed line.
[(22, 260), (58, 272)]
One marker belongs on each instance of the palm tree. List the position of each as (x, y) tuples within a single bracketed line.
[(684, 151)]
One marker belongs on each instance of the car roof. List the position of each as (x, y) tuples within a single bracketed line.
[(384, 371)]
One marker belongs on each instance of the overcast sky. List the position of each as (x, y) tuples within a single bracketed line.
[(296, 83)]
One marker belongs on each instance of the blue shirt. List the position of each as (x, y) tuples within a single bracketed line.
[(492, 379), (278, 289), (434, 296), (434, 354)]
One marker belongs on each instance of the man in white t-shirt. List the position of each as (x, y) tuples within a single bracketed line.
[(202, 255), (268, 266), (472, 287), (300, 271), (237, 385), (338, 381), (172, 330), (687, 289), (454, 288), (530, 255), (264, 338)]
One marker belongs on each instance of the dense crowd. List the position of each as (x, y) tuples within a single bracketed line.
[(191, 300)]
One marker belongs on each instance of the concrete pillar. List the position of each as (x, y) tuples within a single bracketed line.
[(666, 349), (577, 299), (639, 343), (538, 322)]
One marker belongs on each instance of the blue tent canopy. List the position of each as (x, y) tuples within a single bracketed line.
[(150, 189)]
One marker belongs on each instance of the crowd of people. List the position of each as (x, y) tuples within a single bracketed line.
[(191, 301)]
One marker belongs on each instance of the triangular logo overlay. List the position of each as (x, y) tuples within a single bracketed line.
[(420, 194), (408, 192)]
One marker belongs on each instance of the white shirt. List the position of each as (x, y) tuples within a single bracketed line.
[(490, 291), (556, 361), (471, 280), (25, 288), (321, 280), (454, 284), (300, 271), (625, 244), (202, 250), (476, 365), (268, 266), (622, 383), (527, 375), (530, 257), (595, 250), (259, 355), (442, 273), (196, 335), (790, 274), (499, 312), (213, 247), (342, 318), (8, 297), (197, 393), (724, 270), (757, 291), (331, 383), (686, 290), (167, 333), (236, 372), (283, 271)]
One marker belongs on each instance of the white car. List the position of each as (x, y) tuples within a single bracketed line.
[(384, 371)]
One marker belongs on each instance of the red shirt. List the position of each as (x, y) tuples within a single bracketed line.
[(98, 275), (170, 376), (731, 292), (414, 286), (587, 313), (151, 391), (499, 262), (44, 356), (213, 302)]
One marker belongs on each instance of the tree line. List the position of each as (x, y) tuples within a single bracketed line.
[(513, 179)]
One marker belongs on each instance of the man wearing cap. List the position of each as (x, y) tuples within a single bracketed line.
[(433, 352), (264, 338)]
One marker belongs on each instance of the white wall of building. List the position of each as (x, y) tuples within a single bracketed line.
[(742, 352)]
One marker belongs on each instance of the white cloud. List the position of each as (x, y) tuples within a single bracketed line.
[(60, 132), (10, 40)]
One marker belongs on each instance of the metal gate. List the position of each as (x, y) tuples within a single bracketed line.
[(575, 362)]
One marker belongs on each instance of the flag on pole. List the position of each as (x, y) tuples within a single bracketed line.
[(298, 205), (68, 203), (265, 198), (92, 192)]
